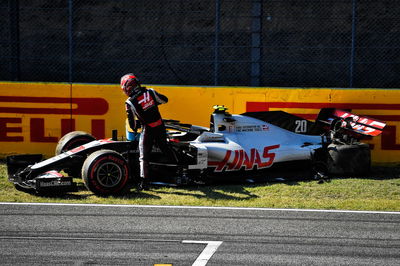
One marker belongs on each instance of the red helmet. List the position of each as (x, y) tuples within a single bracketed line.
[(129, 83)]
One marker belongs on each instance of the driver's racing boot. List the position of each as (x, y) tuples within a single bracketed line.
[(143, 184)]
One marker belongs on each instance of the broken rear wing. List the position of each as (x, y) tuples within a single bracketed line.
[(363, 125)]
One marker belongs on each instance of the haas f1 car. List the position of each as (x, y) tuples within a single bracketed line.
[(253, 143)]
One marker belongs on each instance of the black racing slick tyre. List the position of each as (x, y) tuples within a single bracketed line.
[(105, 172), (354, 159), (73, 140)]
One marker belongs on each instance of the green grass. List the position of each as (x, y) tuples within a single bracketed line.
[(379, 193)]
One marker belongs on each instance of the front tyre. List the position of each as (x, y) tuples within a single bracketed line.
[(105, 172), (73, 140)]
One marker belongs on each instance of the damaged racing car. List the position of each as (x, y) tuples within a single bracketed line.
[(233, 146)]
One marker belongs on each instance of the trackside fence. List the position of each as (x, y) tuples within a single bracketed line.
[(285, 43)]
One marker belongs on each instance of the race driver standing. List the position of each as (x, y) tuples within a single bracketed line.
[(143, 104)]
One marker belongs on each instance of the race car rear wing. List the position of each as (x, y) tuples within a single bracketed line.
[(342, 119)]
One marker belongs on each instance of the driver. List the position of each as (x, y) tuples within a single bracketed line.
[(143, 103)]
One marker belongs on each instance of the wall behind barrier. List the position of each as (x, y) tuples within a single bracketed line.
[(34, 116)]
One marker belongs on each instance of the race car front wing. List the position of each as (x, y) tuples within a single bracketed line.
[(48, 182)]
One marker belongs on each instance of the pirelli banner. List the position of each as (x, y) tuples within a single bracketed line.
[(34, 116)]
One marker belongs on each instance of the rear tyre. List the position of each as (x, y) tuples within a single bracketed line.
[(354, 159), (73, 140), (105, 172)]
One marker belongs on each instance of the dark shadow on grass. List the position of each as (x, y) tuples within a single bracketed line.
[(66, 196), (384, 172), (223, 191), (219, 190), (214, 192), (59, 195), (224, 188), (128, 195), (133, 194)]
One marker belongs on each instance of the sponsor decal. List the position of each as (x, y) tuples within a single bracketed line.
[(54, 183), (146, 101), (252, 128), (115, 159), (388, 137), (53, 173), (90, 145), (67, 105), (37, 105), (364, 125), (240, 159)]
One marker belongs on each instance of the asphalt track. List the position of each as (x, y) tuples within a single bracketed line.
[(50, 234)]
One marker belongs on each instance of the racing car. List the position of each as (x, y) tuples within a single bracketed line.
[(233, 146)]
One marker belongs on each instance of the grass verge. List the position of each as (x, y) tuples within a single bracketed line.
[(378, 193)]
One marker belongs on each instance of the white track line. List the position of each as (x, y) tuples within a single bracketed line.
[(207, 253), (191, 207)]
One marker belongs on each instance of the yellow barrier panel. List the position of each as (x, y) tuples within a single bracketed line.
[(28, 123), (34, 116)]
